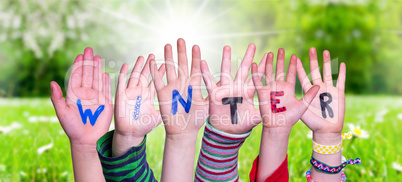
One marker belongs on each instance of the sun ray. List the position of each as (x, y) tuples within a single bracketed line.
[(156, 13), (130, 20), (216, 17)]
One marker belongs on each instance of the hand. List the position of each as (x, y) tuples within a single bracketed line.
[(220, 114), (181, 122), (88, 84), (181, 125), (284, 114), (314, 117), (131, 127)]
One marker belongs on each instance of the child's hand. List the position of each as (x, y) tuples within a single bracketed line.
[(88, 84), (135, 114), (177, 120), (325, 115), (183, 111), (279, 107), (239, 92), (85, 114)]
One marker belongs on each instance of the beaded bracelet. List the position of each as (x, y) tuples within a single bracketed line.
[(322, 167), (310, 179), (330, 149)]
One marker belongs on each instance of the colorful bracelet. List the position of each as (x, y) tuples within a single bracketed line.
[(322, 167), (330, 149), (310, 179)]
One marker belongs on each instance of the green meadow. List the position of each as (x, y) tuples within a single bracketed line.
[(27, 125)]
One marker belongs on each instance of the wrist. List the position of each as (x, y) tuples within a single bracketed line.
[(182, 137), (327, 138), (86, 149), (127, 139)]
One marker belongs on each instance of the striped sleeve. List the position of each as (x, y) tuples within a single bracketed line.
[(218, 156), (132, 166)]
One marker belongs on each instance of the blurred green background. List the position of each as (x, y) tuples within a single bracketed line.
[(40, 39)]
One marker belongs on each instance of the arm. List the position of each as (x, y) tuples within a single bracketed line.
[(225, 132), (280, 110), (131, 166), (88, 95), (219, 155), (183, 111), (122, 152), (326, 124)]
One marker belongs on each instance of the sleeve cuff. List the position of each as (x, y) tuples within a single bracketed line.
[(281, 174)]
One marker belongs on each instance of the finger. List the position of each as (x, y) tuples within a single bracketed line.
[(182, 59), (340, 84), (306, 101), (314, 67), (291, 75), (245, 65), (280, 66), (135, 74), (269, 73), (97, 82), (151, 85), (58, 101), (260, 69), (195, 65), (88, 67), (75, 80), (145, 73), (170, 68), (255, 76), (226, 76), (326, 72), (107, 89), (121, 85), (303, 78), (207, 77), (156, 77)]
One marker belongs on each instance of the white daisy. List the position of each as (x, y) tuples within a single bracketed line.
[(310, 134), (7, 129), (41, 170), (397, 166), (399, 116), (357, 131), (45, 148)]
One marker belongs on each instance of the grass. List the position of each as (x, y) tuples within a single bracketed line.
[(380, 116)]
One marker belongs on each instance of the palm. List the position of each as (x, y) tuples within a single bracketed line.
[(220, 114), (86, 84), (180, 122), (292, 108), (314, 117), (126, 101)]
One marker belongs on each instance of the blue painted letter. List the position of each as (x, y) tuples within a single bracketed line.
[(177, 97), (88, 113), (137, 107)]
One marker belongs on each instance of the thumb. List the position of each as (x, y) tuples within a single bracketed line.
[(310, 95), (57, 97)]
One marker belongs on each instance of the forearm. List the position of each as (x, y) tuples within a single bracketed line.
[(329, 159), (86, 164), (273, 151), (218, 160), (178, 157)]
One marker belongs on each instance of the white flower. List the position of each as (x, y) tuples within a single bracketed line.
[(7, 129), (399, 116), (45, 148), (2, 167), (64, 174), (358, 132), (22, 173), (41, 170), (397, 166)]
